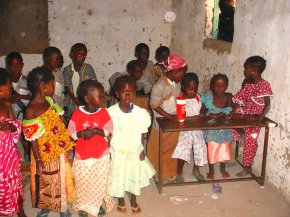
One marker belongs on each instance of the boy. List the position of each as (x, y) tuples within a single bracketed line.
[(75, 73)]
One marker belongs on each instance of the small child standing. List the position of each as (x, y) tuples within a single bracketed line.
[(75, 73), (51, 59), (131, 170), (218, 103), (90, 125), (20, 94), (190, 141), (11, 194), (161, 55), (142, 54), (163, 103), (254, 99), (51, 175)]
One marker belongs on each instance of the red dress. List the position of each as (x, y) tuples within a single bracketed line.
[(10, 174), (251, 99)]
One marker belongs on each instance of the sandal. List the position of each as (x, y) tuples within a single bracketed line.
[(225, 174), (179, 179), (39, 214), (121, 209), (65, 214), (136, 210), (198, 177), (210, 176), (82, 214)]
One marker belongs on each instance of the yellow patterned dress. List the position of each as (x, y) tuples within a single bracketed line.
[(51, 186)]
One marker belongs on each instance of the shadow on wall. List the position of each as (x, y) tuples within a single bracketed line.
[(24, 26)]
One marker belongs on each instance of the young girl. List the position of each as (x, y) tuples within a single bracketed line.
[(11, 193), (51, 181), (218, 103), (254, 99), (163, 103), (190, 141), (161, 55), (90, 125), (131, 170)]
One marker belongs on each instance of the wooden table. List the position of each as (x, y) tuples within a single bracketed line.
[(207, 123)]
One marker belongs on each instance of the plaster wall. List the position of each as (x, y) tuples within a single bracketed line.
[(110, 29), (261, 28)]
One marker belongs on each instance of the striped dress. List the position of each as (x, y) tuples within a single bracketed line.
[(10, 175)]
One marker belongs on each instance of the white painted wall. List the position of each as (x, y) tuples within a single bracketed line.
[(110, 29), (261, 28)]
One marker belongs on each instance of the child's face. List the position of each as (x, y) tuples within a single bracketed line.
[(60, 62), (96, 97), (178, 74), (15, 68), (190, 90), (219, 86), (49, 88), (137, 73), (143, 55), (163, 57), (5, 90), (126, 94), (248, 71), (79, 56), (53, 60)]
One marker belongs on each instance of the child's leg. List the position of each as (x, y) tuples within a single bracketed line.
[(121, 205), (135, 207), (223, 171), (210, 174), (250, 149), (21, 212), (196, 173), (180, 164)]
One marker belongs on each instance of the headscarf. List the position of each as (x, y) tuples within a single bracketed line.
[(174, 62)]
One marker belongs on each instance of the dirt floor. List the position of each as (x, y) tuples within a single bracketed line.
[(238, 199)]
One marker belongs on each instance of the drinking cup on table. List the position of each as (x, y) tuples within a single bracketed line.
[(180, 108)]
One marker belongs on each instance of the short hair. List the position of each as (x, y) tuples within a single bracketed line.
[(86, 86), (37, 76), (160, 50), (187, 78), (141, 46), (217, 76), (4, 76), (49, 51), (132, 65), (122, 81), (257, 62), (77, 47), (12, 56)]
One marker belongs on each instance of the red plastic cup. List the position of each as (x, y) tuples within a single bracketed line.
[(180, 108)]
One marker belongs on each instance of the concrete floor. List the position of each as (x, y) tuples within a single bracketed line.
[(238, 199)]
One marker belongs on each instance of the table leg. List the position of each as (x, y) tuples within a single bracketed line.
[(160, 175), (265, 149)]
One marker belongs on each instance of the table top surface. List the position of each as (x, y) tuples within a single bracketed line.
[(208, 123)]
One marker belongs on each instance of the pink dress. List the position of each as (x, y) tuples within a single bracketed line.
[(251, 99), (10, 174)]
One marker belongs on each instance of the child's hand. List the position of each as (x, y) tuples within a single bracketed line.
[(142, 156), (4, 126), (172, 117), (88, 133)]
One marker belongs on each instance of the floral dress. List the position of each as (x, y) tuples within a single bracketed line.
[(192, 141), (219, 141), (50, 185), (10, 174)]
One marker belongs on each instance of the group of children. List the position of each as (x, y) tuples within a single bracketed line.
[(109, 156)]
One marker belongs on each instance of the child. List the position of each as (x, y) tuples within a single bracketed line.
[(11, 194), (190, 141), (163, 103), (161, 55), (142, 54), (131, 170), (254, 99), (75, 73), (51, 60), (51, 178), (218, 103), (20, 95), (90, 126)]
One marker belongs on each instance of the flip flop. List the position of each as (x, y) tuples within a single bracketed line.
[(121, 209), (136, 210), (199, 178), (209, 176), (179, 179)]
